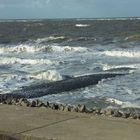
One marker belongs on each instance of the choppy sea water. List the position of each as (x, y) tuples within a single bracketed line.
[(33, 51)]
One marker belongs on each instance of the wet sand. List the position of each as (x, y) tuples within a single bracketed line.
[(41, 123)]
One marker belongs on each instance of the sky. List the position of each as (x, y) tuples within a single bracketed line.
[(32, 9)]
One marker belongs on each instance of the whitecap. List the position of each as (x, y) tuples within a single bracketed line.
[(45, 39), (14, 60), (20, 48), (82, 25), (122, 53), (55, 48), (50, 75)]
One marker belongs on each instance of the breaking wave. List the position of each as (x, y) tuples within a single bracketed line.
[(122, 103), (50, 75), (82, 25), (50, 38), (119, 67), (122, 53), (14, 60), (40, 48)]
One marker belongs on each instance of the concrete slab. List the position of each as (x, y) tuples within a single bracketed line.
[(57, 125)]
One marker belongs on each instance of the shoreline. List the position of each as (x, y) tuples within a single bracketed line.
[(127, 113), (38, 123)]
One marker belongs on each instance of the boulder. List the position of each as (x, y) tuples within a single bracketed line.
[(81, 108), (109, 112), (74, 109), (61, 107), (67, 108), (117, 113), (54, 106), (8, 101), (33, 103)]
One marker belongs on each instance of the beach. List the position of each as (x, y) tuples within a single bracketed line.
[(40, 123)]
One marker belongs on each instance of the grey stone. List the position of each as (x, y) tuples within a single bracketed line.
[(54, 106), (61, 107), (33, 103), (135, 115), (8, 101), (40, 103), (74, 109), (109, 112), (117, 113), (103, 112), (81, 108), (14, 101), (98, 111), (67, 108), (125, 114)]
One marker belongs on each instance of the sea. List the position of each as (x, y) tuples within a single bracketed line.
[(47, 50)]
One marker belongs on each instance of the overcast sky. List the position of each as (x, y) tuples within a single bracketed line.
[(23, 9)]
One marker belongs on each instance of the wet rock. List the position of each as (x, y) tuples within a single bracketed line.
[(54, 106), (89, 110), (33, 103), (81, 108), (14, 101), (125, 114), (98, 111), (47, 104), (40, 103), (117, 113), (67, 108), (74, 109), (135, 115), (103, 112), (109, 112), (61, 107), (23, 102), (8, 101)]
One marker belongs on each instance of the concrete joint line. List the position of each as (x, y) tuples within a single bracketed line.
[(43, 126)]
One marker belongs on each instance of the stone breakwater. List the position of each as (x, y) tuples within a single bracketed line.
[(133, 113)]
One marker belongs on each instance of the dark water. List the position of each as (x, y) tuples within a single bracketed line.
[(33, 51)]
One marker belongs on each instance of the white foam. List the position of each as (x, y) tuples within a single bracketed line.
[(66, 49), (122, 53), (108, 67), (114, 101), (19, 48), (40, 40), (14, 60), (40, 48), (82, 25), (51, 75)]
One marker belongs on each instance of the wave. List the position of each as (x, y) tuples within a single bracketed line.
[(82, 25), (50, 75), (40, 48), (50, 38), (135, 37), (110, 19), (14, 60), (20, 48), (122, 103), (119, 67), (122, 53), (66, 49)]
